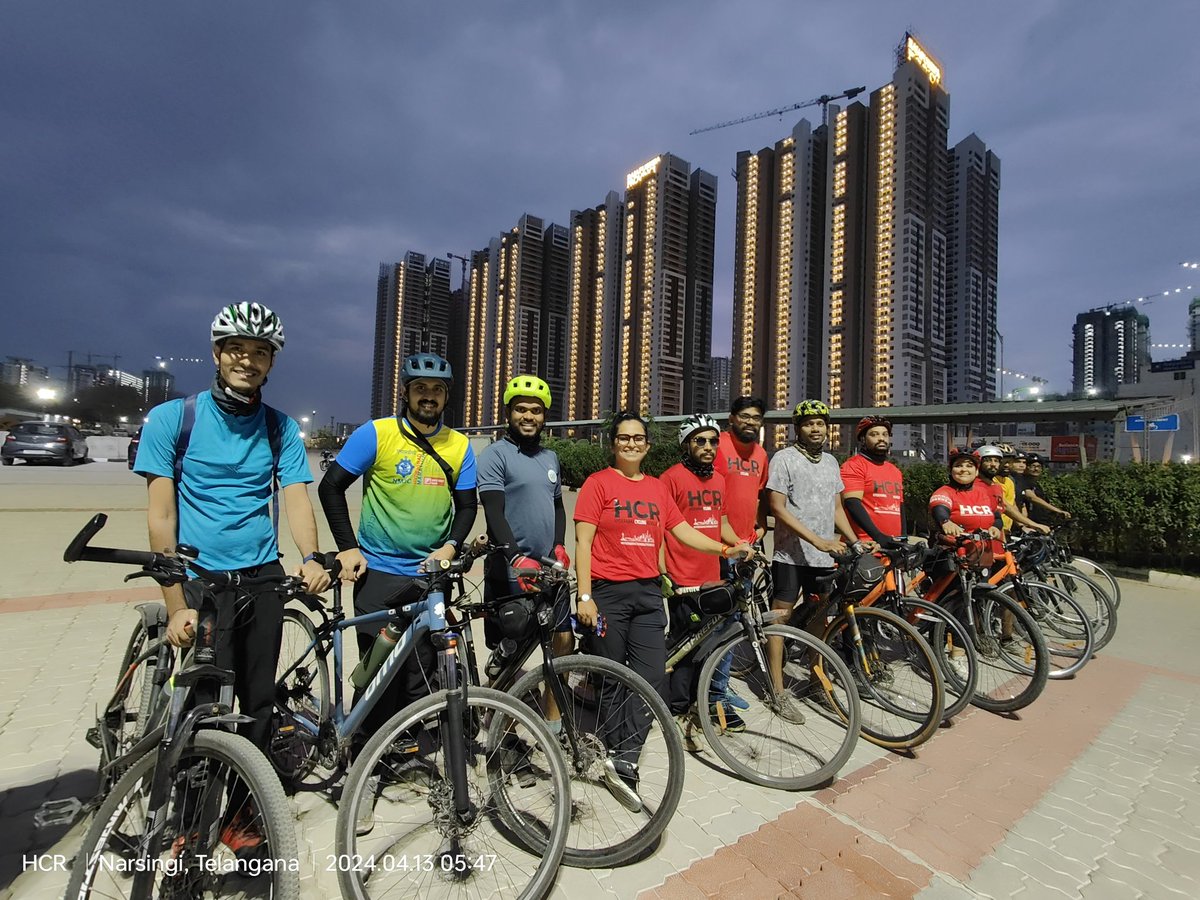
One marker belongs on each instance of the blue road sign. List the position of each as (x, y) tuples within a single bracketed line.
[(1162, 423)]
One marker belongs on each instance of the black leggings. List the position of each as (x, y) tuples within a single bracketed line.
[(634, 614)]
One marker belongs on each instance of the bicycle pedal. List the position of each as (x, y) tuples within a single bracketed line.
[(93, 737), (57, 812)]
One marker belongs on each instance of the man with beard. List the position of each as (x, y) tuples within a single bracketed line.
[(418, 508), (211, 461), (1039, 506), (804, 491), (874, 487), (699, 492), (743, 462), (521, 492), (990, 457)]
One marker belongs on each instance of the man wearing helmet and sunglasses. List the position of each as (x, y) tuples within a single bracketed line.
[(699, 492), (211, 462), (418, 508), (520, 489), (874, 487), (990, 465)]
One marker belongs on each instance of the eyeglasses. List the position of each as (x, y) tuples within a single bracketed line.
[(751, 419), (705, 441), (636, 439)]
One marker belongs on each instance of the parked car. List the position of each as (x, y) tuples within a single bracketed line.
[(133, 445), (44, 442)]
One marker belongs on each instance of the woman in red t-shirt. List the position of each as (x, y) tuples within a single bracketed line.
[(966, 503), (621, 517)]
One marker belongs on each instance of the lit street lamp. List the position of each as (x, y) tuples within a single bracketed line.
[(46, 395)]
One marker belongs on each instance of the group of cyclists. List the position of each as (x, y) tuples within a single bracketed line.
[(215, 462)]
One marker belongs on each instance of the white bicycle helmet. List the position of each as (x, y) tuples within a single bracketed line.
[(698, 422), (249, 320), (989, 450)]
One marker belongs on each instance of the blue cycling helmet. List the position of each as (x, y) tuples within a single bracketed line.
[(426, 365)]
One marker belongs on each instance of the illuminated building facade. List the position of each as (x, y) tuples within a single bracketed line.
[(779, 338), (664, 333), (594, 297), (399, 324), (553, 339), (1111, 348), (971, 327)]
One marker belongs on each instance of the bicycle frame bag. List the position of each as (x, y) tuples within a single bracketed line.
[(517, 618)]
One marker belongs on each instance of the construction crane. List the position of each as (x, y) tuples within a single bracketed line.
[(824, 100)]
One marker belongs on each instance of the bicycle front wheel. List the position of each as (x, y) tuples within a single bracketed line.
[(228, 829), (133, 704), (951, 645), (605, 831), (899, 680), (401, 833), (1013, 660), (793, 739), (301, 708)]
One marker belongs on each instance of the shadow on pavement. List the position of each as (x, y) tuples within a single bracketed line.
[(19, 838)]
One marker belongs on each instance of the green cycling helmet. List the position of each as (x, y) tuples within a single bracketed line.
[(527, 386), (807, 409)]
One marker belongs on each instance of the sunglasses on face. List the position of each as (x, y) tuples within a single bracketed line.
[(705, 441)]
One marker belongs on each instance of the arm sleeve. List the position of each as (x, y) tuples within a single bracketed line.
[(493, 514), (859, 516), (332, 494), (941, 514), (465, 507), (560, 520)]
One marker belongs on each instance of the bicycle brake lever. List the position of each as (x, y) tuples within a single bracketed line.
[(163, 578)]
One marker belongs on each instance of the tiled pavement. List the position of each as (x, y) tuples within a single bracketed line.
[(1090, 792)]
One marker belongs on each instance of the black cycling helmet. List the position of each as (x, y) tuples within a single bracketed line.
[(426, 365)]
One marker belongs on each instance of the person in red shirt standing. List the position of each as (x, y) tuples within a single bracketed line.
[(966, 503), (699, 492), (742, 460), (621, 519), (873, 492)]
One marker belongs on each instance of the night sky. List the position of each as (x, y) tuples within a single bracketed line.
[(160, 160)]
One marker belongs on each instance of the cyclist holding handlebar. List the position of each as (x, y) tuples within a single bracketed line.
[(210, 482)]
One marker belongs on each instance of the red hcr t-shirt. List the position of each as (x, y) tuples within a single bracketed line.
[(631, 518), (702, 502), (882, 488), (744, 467), (974, 509)]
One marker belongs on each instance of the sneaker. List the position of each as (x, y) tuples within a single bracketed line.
[(366, 813), (686, 723), (725, 718), (243, 833), (730, 698), (786, 708), (621, 779), (958, 662)]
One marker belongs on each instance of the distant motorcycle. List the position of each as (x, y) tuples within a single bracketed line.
[(326, 459)]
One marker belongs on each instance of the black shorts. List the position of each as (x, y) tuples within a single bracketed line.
[(790, 580)]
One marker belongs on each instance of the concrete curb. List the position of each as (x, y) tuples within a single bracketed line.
[(1171, 580)]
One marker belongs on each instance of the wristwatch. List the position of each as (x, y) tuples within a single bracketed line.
[(584, 598), (452, 542)]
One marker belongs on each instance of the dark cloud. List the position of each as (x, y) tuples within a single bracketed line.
[(159, 160)]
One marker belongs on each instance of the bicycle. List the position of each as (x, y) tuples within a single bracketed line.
[(758, 743), (946, 636), (197, 810), (1063, 557), (895, 670), (445, 813), (326, 459), (1040, 558), (607, 712), (1014, 662)]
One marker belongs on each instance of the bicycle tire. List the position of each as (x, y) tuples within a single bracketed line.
[(772, 750), (1062, 621), (137, 705), (1092, 596), (603, 833), (304, 693), (1008, 680), (379, 857), (951, 644), (219, 876), (899, 679), (1097, 572)]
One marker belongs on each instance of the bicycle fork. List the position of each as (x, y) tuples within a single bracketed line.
[(454, 739)]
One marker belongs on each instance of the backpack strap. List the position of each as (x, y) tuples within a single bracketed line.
[(185, 435), (423, 442)]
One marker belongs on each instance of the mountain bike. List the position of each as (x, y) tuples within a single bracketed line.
[(463, 793), (197, 810), (603, 712)]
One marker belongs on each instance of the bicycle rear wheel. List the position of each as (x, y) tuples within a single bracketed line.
[(1092, 597), (951, 645), (414, 842), (1013, 660), (229, 831), (301, 708), (604, 832), (800, 751), (898, 678), (1063, 624)]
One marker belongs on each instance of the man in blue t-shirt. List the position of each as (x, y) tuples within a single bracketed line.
[(221, 502), (520, 490)]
